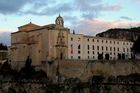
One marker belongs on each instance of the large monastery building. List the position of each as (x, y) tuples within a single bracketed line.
[(54, 41)]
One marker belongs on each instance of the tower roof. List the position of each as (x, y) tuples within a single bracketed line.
[(59, 21)]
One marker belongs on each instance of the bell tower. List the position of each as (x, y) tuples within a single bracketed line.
[(59, 21)]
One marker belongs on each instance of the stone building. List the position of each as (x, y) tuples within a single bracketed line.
[(93, 48), (54, 41), (40, 43)]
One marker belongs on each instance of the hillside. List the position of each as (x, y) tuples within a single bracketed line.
[(121, 33)]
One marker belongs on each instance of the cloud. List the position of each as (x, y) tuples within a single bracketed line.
[(125, 18), (86, 9), (99, 25), (15, 6), (11, 6)]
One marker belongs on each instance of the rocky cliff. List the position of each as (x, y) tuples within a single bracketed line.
[(120, 33)]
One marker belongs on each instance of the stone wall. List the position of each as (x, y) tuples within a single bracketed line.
[(86, 69)]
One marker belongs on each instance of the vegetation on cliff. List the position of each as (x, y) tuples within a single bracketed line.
[(136, 46), (28, 72), (3, 47)]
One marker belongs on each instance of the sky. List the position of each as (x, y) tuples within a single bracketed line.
[(84, 16)]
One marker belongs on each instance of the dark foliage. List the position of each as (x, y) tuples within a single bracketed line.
[(27, 72), (3, 47), (7, 71), (97, 79), (136, 46)]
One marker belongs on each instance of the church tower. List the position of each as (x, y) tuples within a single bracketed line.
[(59, 21)]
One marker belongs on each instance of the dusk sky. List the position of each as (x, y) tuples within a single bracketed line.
[(84, 16)]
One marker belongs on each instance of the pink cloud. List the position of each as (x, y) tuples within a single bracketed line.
[(99, 25)]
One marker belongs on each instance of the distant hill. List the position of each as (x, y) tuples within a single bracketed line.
[(121, 33)]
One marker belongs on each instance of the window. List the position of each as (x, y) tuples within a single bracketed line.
[(71, 49), (88, 39), (71, 39), (114, 42), (93, 40), (79, 57), (88, 47), (102, 48), (127, 49), (79, 52), (97, 47), (123, 49), (106, 48), (102, 41), (71, 57), (93, 47), (88, 57), (110, 42), (97, 40), (93, 57), (92, 52), (106, 41), (88, 52), (79, 46), (117, 42), (110, 48), (118, 49), (114, 48)]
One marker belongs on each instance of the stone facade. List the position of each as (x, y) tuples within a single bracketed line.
[(93, 48), (85, 69), (37, 42)]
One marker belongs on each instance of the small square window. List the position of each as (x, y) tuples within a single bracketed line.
[(71, 57), (71, 39), (79, 57), (79, 52)]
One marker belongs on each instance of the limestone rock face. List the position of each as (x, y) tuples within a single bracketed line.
[(125, 34)]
